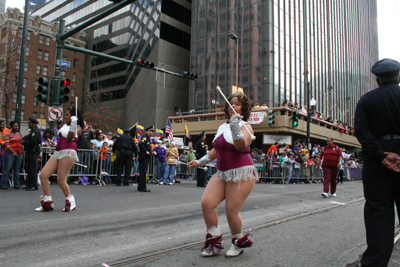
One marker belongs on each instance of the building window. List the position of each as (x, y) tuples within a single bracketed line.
[(35, 102), (13, 114), (27, 51), (16, 81), (47, 41), (34, 115), (44, 70), (40, 54), (15, 99), (26, 66), (41, 39), (75, 62), (24, 84), (74, 77), (28, 35), (38, 69), (46, 55), (17, 66), (63, 73), (64, 58)]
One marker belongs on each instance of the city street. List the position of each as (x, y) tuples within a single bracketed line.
[(292, 225)]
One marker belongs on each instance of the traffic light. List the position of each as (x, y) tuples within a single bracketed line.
[(43, 89), (271, 117), (295, 118), (144, 64), (64, 90), (189, 75)]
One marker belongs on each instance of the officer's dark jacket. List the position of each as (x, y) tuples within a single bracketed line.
[(200, 149), (377, 114), (125, 142), (144, 145), (32, 140)]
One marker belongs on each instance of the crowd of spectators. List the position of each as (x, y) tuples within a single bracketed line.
[(345, 128), (293, 162)]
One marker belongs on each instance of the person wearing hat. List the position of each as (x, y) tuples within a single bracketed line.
[(159, 152), (125, 147), (31, 144), (201, 151), (377, 128), (144, 158)]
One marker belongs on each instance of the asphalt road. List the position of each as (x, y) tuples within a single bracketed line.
[(118, 224)]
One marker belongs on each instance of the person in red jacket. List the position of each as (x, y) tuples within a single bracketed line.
[(331, 158), (273, 148)]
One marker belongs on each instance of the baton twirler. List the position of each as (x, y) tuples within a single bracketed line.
[(251, 135)]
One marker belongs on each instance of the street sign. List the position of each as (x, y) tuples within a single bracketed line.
[(55, 113), (63, 68), (63, 63)]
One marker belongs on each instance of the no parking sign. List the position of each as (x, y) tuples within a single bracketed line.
[(55, 113)]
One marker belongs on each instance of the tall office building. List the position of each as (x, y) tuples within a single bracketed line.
[(2, 6), (283, 46), (35, 5), (158, 31)]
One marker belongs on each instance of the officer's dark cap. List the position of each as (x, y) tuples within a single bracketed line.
[(127, 131), (151, 128), (202, 134), (33, 120), (386, 68)]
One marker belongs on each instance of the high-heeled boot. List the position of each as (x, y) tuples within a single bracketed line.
[(47, 203), (214, 243), (69, 203), (239, 242)]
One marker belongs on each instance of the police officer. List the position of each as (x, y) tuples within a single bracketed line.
[(377, 128), (144, 158), (125, 147), (31, 144), (200, 152)]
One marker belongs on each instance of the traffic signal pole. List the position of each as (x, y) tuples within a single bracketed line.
[(55, 96), (20, 82)]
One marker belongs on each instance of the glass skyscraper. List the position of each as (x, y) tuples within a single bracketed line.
[(154, 30), (283, 46), (2, 6)]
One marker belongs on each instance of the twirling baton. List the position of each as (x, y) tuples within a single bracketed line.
[(251, 135), (203, 168), (76, 113), (81, 165)]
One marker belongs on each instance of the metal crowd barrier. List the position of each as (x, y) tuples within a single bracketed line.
[(105, 170)]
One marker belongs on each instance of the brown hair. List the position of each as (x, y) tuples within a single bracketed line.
[(246, 106)]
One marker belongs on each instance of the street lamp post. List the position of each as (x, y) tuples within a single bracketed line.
[(311, 104), (234, 37)]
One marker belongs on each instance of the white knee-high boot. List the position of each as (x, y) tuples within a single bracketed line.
[(47, 203), (70, 203), (214, 243), (239, 242)]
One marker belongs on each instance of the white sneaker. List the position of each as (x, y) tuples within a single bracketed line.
[(171, 184), (47, 203), (161, 183), (69, 203), (324, 194), (333, 195), (234, 251)]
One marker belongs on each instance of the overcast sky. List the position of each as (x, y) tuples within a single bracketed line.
[(388, 14)]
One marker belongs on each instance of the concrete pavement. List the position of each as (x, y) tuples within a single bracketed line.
[(113, 223)]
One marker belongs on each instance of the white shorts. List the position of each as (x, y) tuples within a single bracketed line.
[(65, 153)]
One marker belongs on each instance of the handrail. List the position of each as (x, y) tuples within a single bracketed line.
[(320, 122)]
